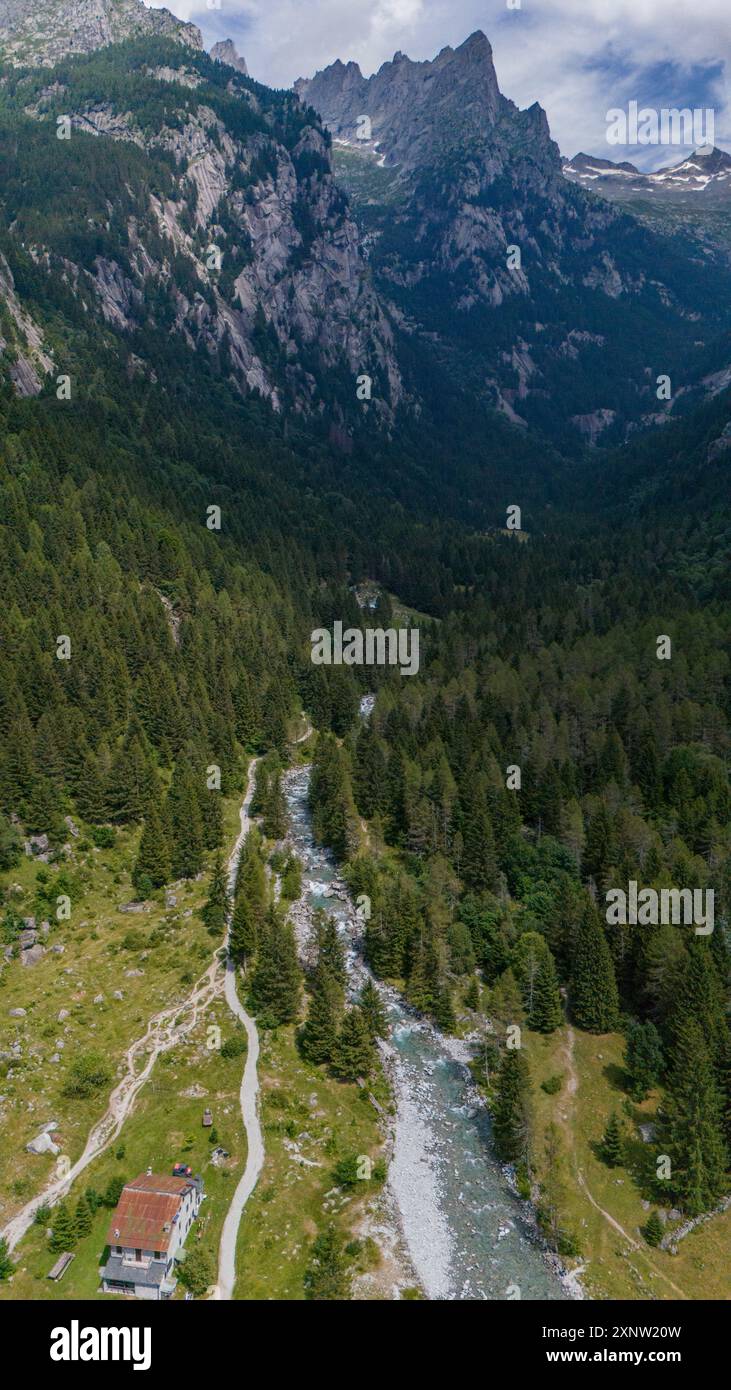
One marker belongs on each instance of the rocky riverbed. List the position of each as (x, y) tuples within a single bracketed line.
[(467, 1234)]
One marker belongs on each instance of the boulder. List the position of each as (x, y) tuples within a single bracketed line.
[(17, 1013), (42, 1144), (32, 955)]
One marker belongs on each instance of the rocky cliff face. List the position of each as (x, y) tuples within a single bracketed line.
[(231, 231), (478, 239), (43, 31), (225, 52)]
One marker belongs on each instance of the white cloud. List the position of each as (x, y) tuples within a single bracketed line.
[(577, 57)]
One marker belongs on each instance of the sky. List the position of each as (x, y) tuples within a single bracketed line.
[(578, 58)]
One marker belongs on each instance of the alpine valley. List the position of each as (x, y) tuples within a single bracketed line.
[(318, 950)]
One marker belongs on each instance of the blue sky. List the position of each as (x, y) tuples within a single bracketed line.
[(578, 58)]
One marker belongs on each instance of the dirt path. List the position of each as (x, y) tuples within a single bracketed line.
[(163, 1031), (572, 1088), (249, 1089), (226, 1281)]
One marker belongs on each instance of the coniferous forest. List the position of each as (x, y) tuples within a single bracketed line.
[(169, 540)]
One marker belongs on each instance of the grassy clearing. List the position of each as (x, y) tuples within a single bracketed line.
[(310, 1122), (164, 1127), (169, 947), (613, 1268)]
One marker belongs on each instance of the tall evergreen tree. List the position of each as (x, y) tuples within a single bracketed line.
[(613, 1142), (694, 1124), (276, 981), (511, 1110), (354, 1054), (153, 865), (215, 910), (594, 999)]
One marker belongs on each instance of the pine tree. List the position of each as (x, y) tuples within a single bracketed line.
[(83, 1218), (511, 1116), (153, 864), (536, 972), (479, 862), (244, 932), (594, 999), (373, 1010), (276, 981), (215, 911), (694, 1124), (613, 1142), (6, 1264), (327, 1276), (547, 1014), (274, 811), (369, 774), (472, 994), (653, 1231), (643, 1059), (354, 1055), (184, 819), (319, 1036), (331, 950), (64, 1233)]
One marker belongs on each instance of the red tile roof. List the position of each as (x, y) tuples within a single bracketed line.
[(147, 1205)]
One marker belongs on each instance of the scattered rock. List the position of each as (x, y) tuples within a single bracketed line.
[(32, 955), (42, 1144), (98, 998), (62, 1014), (17, 1013), (118, 994)]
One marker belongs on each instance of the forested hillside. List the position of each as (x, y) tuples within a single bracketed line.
[(189, 486)]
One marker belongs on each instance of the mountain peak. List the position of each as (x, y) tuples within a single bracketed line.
[(419, 111), (41, 32), (225, 52)]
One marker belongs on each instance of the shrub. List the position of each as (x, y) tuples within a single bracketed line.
[(552, 1084), (87, 1074), (103, 836), (234, 1046)]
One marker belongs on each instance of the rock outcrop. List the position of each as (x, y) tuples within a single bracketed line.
[(39, 32), (225, 52), (484, 245)]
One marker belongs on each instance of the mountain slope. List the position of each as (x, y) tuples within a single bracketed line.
[(569, 334), (209, 210), (691, 199), (46, 30)]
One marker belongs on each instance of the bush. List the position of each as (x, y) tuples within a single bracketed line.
[(103, 836), (234, 1046), (552, 1084), (86, 1075), (133, 941), (113, 1191), (196, 1273)]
